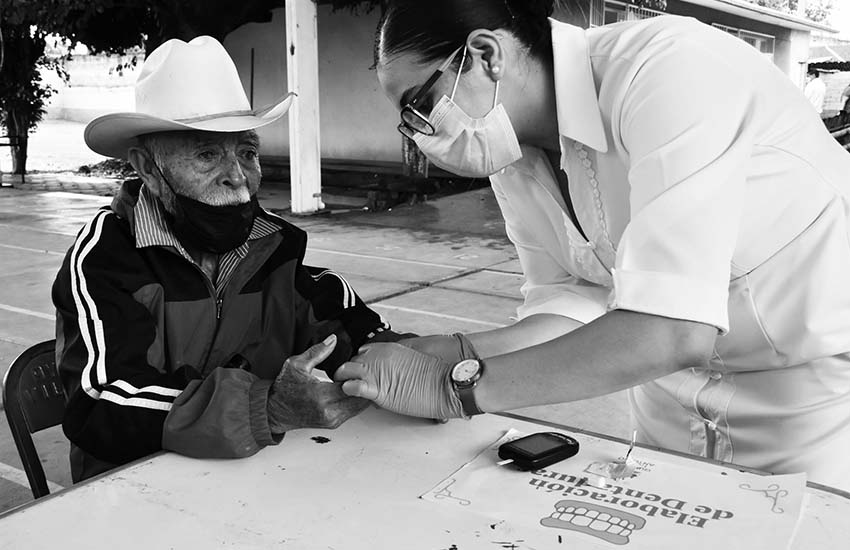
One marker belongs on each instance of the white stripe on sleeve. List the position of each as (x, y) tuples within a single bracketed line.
[(135, 401), (159, 390), (86, 308), (348, 296)]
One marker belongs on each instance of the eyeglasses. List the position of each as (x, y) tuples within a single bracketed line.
[(411, 119)]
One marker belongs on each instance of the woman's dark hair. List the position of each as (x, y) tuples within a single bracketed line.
[(433, 29)]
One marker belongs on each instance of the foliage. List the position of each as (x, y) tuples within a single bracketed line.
[(113, 26), (107, 26), (816, 10), (356, 6), (819, 10), (660, 5), (109, 168), (22, 93)]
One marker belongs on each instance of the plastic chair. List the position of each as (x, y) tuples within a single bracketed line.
[(34, 400)]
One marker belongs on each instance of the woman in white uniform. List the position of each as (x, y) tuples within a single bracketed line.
[(681, 215)]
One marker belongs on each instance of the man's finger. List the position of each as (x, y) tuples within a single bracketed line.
[(350, 371), (360, 388), (311, 358)]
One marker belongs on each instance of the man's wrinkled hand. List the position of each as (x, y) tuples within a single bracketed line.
[(451, 348), (300, 400), (402, 380)]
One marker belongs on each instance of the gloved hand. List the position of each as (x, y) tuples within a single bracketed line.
[(402, 380), (451, 348), (300, 400)]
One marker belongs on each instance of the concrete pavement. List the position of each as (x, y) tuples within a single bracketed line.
[(435, 267)]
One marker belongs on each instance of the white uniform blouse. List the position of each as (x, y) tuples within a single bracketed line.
[(709, 190)]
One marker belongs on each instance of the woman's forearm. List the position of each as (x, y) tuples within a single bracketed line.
[(619, 350), (530, 331)]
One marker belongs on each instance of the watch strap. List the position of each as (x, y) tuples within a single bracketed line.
[(467, 400), (467, 351)]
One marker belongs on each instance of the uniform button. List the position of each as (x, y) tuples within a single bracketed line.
[(716, 376)]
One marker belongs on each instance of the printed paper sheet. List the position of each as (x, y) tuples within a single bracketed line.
[(663, 505)]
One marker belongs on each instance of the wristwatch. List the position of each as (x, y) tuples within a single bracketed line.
[(465, 376)]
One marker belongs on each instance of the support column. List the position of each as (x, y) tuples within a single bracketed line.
[(302, 71)]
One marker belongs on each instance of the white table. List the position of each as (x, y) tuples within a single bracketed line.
[(358, 490)]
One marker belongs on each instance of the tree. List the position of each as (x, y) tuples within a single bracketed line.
[(660, 5), (816, 10), (819, 10), (22, 92), (24, 28), (105, 26), (119, 25)]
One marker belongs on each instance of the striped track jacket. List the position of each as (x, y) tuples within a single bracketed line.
[(143, 336)]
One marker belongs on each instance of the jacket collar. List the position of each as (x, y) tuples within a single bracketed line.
[(579, 117)]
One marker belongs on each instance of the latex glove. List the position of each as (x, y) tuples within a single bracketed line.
[(402, 380), (451, 348), (300, 400)]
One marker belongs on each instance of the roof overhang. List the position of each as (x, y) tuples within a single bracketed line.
[(755, 12)]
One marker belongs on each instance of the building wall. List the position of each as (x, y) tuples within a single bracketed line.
[(836, 83), (795, 56), (791, 49), (94, 87), (357, 120)]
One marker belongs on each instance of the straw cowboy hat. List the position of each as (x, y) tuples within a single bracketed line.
[(183, 86)]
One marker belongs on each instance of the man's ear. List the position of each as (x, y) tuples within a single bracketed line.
[(485, 47), (144, 166)]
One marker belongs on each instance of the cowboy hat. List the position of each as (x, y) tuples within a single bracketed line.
[(183, 86)]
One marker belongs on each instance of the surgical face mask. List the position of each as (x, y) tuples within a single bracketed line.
[(466, 146), (216, 229)]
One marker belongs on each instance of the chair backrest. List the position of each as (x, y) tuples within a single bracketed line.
[(34, 400)]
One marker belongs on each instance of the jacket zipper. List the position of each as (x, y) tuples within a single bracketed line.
[(219, 302)]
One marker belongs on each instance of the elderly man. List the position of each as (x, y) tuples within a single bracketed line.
[(186, 319)]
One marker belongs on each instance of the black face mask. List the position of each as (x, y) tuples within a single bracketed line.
[(216, 229)]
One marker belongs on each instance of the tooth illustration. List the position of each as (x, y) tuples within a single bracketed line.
[(581, 521), (600, 525), (608, 524)]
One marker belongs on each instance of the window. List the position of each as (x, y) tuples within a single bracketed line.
[(762, 42), (620, 11)]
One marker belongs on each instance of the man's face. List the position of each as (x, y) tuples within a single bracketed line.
[(215, 168)]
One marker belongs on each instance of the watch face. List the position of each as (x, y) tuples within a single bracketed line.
[(466, 371)]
